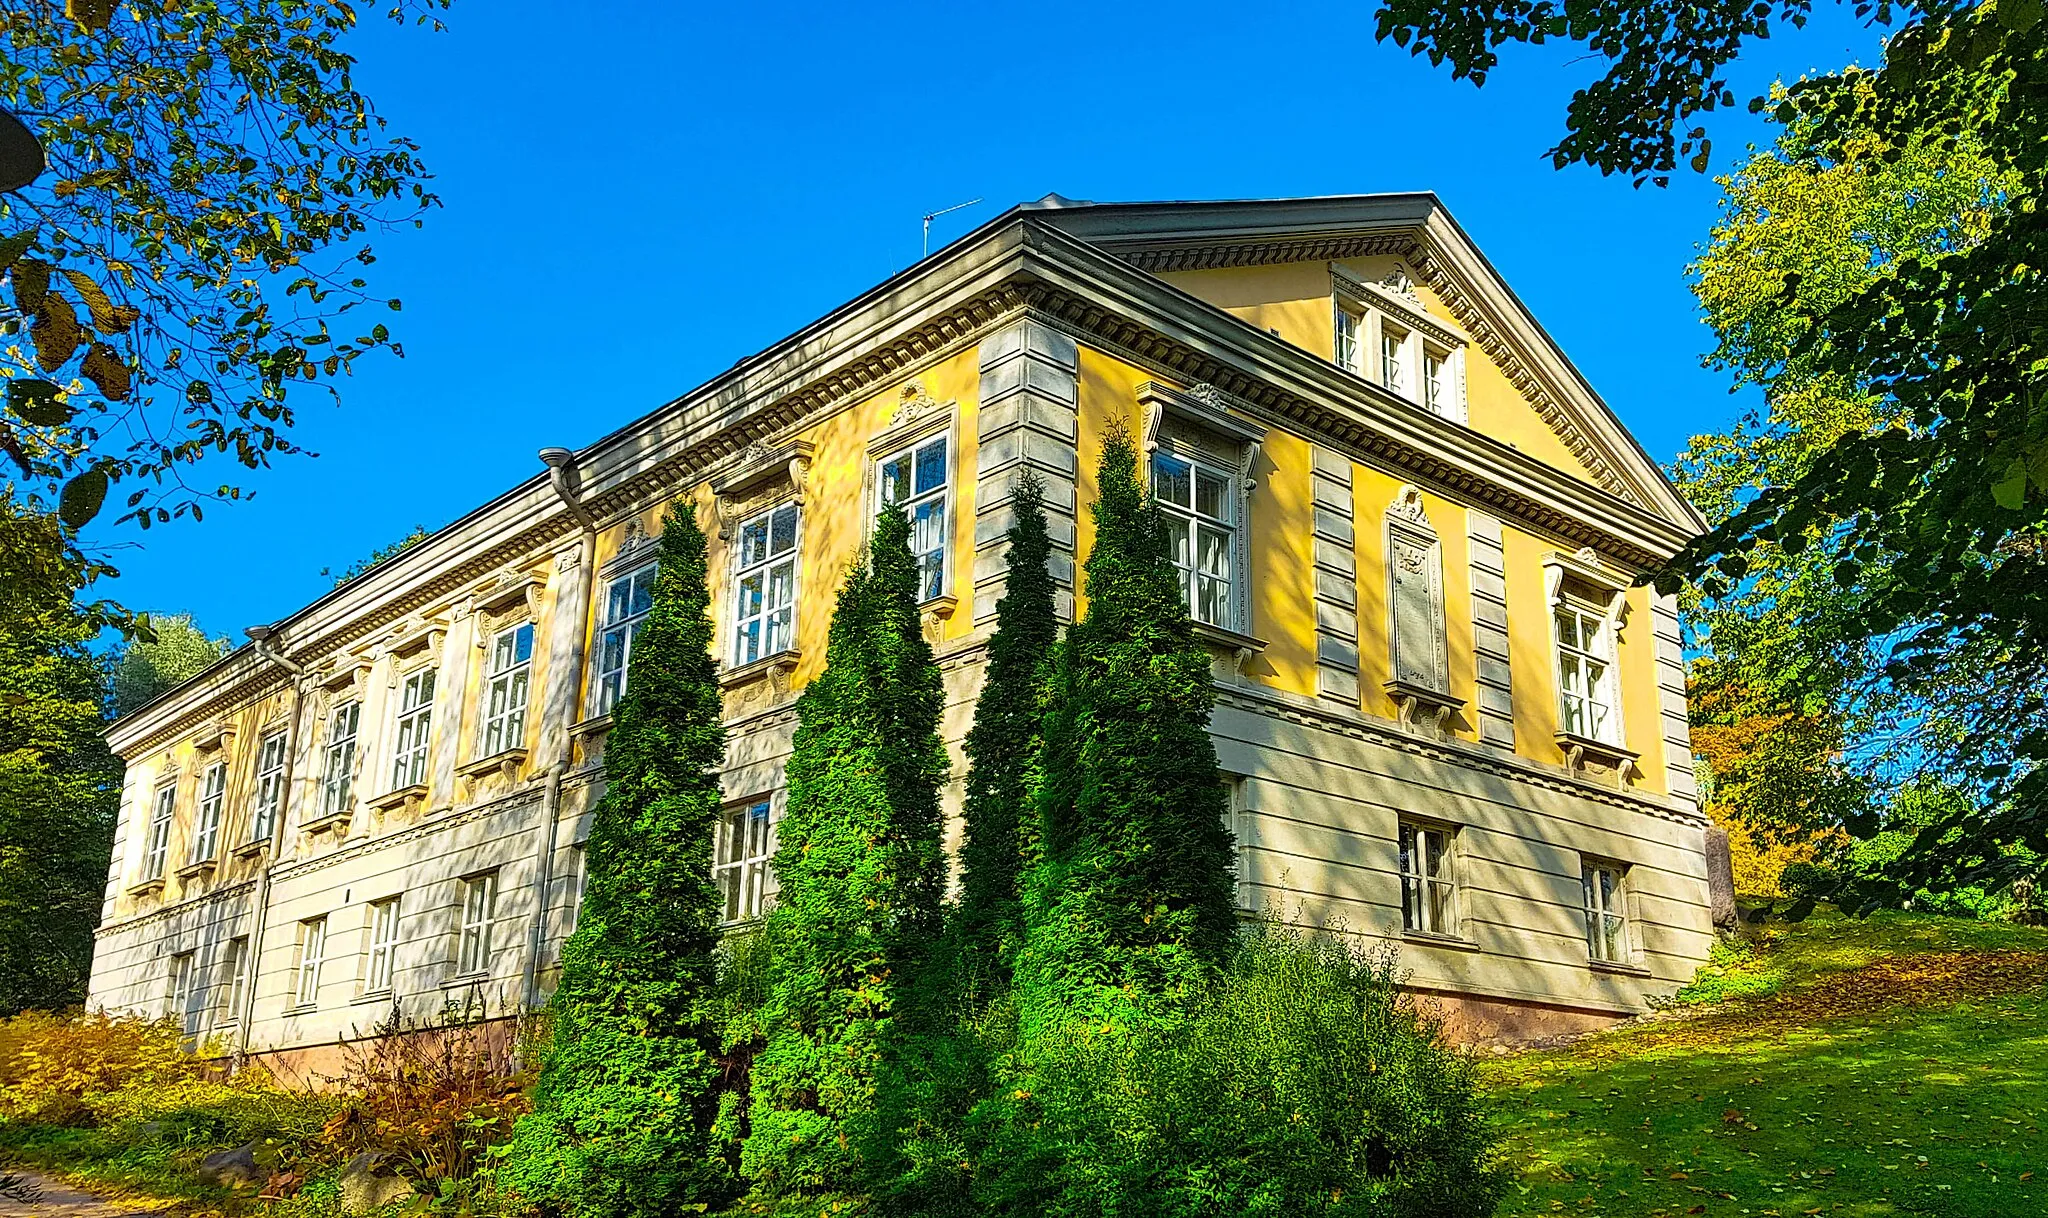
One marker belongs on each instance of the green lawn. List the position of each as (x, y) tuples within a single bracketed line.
[(1892, 1066)]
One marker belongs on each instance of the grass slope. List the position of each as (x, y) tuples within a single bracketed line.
[(1889, 1066)]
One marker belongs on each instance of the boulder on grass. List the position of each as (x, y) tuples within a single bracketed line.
[(232, 1168), (368, 1184)]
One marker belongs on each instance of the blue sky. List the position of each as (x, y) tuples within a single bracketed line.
[(636, 196)]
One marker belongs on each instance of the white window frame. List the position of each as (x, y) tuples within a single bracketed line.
[(270, 767), (182, 1003), (412, 729), (479, 917), (163, 809), (338, 768), (1607, 920), (773, 637), (1397, 339), (608, 682), (380, 934), (1195, 523), (312, 955), (504, 722), (1393, 358), (934, 574), (1429, 896), (234, 977), (742, 859), (1348, 337), (1593, 692), (213, 794)]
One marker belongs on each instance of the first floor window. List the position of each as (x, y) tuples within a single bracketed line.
[(506, 688), (383, 945), (415, 728), (479, 912), (915, 480), (213, 789), (1429, 893), (312, 954), (184, 996), (626, 602), (269, 787), (1606, 912), (740, 865), (157, 849), (1585, 676), (764, 586), (338, 778), (234, 979), (1200, 533)]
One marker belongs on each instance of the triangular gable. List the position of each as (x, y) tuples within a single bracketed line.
[(1415, 233)]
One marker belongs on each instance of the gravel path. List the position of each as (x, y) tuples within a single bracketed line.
[(58, 1201)]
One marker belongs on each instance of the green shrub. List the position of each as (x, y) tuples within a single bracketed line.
[(1734, 970), (1804, 880), (52, 1064), (1301, 1082), (213, 1112)]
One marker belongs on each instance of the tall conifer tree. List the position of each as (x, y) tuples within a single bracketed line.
[(626, 1096), (861, 871), (1134, 895), (1002, 748)]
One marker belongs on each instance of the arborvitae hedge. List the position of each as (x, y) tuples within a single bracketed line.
[(626, 1095), (1134, 893), (1002, 751), (861, 870)]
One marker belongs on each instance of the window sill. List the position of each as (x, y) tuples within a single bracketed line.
[(400, 797), (1456, 943), (507, 760), (1242, 647), (783, 662), (1617, 968), (1417, 701), (146, 887), (595, 725), (941, 607), (332, 820), (197, 868), (463, 981), (1580, 749), (302, 1008), (250, 849), (380, 997)]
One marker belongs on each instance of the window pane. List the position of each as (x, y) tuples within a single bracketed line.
[(753, 542), (618, 596), (523, 644), (778, 634), (1214, 602), (1177, 546), (1215, 552), (896, 480), (931, 466), (1212, 495), (1172, 481), (750, 596), (501, 654), (643, 592), (782, 530)]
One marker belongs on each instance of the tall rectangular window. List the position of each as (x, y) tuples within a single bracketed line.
[(415, 729), (915, 480), (1606, 912), (1347, 324), (182, 1004), (740, 864), (269, 787), (1200, 532), (1435, 386), (158, 846), (506, 688), (213, 789), (337, 779), (312, 954), (626, 602), (233, 981), (1585, 677), (479, 913), (764, 586), (1393, 367), (383, 931), (1429, 890)]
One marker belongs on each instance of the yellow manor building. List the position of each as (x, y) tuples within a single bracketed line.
[(1410, 532)]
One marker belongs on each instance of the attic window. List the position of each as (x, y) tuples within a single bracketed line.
[(1383, 333)]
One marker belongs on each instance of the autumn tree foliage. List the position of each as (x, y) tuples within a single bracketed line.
[(628, 1089)]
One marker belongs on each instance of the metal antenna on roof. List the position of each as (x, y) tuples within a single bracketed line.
[(931, 216)]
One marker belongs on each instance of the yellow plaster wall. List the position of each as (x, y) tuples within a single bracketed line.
[(1282, 555), (1641, 716)]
